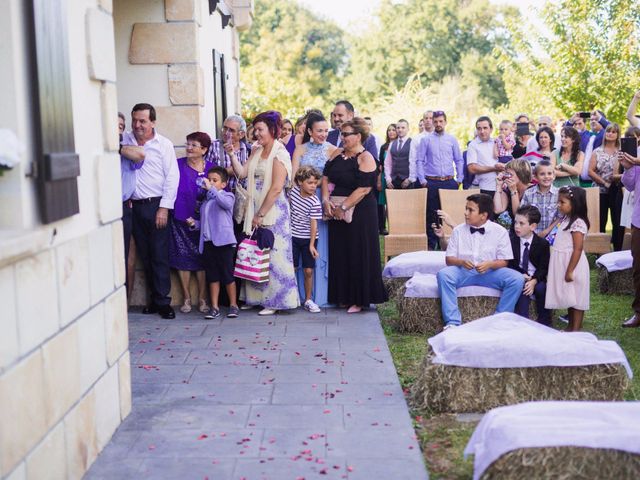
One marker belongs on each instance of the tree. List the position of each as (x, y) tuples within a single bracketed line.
[(591, 57), (290, 59), (431, 40)]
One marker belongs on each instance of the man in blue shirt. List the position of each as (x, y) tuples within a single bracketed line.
[(439, 165), (578, 123)]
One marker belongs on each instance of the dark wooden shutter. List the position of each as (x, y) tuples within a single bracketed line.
[(219, 91), (57, 164)]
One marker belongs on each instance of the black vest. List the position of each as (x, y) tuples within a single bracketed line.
[(400, 159)]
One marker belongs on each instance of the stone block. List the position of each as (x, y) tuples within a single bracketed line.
[(106, 5), (9, 350), (37, 300), (48, 460), (107, 411), (22, 415), (101, 263), (80, 436), (100, 45), (72, 260), (61, 373), (176, 123), (186, 84), (92, 346), (109, 106), (119, 269), (180, 10), (164, 43), (124, 379), (109, 187), (116, 328)]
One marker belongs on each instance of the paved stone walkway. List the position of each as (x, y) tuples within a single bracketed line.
[(294, 396)]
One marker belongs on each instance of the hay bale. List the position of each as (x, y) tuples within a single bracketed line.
[(424, 315), (619, 282), (445, 388), (394, 286), (564, 463)]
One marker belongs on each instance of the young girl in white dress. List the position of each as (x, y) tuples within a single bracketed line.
[(568, 279)]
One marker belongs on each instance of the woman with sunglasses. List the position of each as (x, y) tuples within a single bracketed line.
[(355, 274)]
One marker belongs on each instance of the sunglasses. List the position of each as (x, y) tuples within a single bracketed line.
[(346, 134)]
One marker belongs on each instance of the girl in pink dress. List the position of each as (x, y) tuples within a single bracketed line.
[(568, 279)]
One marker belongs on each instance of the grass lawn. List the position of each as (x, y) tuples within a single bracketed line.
[(443, 437)]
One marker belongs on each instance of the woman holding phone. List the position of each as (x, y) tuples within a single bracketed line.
[(510, 187)]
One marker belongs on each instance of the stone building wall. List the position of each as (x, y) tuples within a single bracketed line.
[(64, 360)]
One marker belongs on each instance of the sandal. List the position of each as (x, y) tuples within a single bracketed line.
[(204, 308), (186, 306), (354, 309)]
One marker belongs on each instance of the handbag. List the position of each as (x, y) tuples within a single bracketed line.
[(339, 200), (240, 203), (252, 262)]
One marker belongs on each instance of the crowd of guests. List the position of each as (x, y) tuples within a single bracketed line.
[(316, 189), (307, 191)]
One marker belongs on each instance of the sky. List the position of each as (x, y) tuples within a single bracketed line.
[(352, 14)]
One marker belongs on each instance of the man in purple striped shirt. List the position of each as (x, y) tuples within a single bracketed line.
[(437, 155)]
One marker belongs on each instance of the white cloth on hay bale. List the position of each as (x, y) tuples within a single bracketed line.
[(507, 340), (616, 261), (601, 425), (406, 264), (426, 286)]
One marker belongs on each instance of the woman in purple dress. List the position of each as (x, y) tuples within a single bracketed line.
[(185, 238)]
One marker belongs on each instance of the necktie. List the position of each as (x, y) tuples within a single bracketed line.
[(479, 230), (400, 144), (525, 258)]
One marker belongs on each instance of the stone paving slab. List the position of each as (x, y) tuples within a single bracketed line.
[(286, 397)]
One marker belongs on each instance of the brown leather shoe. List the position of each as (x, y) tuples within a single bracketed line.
[(632, 322)]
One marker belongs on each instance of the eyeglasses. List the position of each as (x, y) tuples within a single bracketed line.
[(346, 134)]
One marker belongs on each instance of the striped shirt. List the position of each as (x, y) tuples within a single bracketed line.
[(303, 209)]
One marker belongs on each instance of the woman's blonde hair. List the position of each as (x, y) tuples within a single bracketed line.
[(522, 169), (614, 127)]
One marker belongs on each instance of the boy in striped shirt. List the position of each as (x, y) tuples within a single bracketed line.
[(306, 210)]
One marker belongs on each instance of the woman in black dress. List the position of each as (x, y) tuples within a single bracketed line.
[(355, 274)]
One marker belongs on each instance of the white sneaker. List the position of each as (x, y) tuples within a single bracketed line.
[(450, 325), (310, 306), (267, 311)]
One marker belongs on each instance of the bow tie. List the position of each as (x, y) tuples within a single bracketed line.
[(478, 230)]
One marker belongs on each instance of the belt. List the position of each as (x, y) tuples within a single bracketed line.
[(440, 179), (146, 200)]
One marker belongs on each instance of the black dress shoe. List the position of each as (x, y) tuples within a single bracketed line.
[(167, 312), (633, 322), (150, 309)]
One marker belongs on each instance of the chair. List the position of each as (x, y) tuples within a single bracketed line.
[(407, 211), (453, 202), (595, 242)]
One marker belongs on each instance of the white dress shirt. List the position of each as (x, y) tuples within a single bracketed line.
[(531, 268), (482, 154), (494, 244), (159, 175), (413, 153)]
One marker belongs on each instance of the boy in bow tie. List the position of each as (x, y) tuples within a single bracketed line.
[(477, 255)]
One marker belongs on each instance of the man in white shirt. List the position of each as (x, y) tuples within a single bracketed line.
[(480, 159), (478, 254), (155, 193), (427, 128)]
